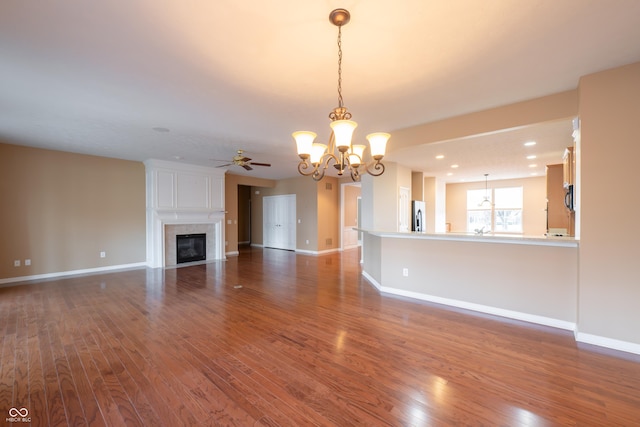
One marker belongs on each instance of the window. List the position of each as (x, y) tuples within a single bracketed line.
[(508, 210), (498, 210)]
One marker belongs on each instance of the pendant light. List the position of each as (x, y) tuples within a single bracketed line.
[(486, 199)]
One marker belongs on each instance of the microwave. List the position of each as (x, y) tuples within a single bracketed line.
[(568, 196)]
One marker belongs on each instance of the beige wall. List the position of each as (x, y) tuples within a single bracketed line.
[(60, 210), (610, 204), (515, 277), (534, 220), (316, 209)]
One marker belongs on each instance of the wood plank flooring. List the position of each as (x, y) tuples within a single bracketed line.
[(271, 338)]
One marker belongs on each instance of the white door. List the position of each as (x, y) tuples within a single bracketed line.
[(279, 222), (404, 207)]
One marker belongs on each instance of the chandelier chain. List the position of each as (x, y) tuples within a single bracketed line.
[(340, 101)]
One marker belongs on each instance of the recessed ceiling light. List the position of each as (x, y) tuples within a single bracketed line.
[(533, 165), (531, 157), (529, 144), (450, 173), (454, 166), (161, 129), (440, 156), (534, 173), (178, 157)]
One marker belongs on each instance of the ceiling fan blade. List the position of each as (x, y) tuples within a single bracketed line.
[(247, 167), (245, 159), (224, 166), (260, 164)]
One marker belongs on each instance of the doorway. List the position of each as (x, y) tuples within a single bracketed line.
[(244, 215)]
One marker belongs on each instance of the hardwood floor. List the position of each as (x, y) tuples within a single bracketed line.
[(273, 338)]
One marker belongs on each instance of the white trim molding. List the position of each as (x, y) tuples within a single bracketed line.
[(180, 194)]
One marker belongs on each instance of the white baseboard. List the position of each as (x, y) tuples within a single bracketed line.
[(232, 253), (611, 343), (510, 314), (306, 252), (72, 272)]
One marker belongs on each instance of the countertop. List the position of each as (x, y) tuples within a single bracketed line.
[(480, 238)]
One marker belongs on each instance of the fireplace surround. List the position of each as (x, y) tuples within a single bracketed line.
[(183, 199)]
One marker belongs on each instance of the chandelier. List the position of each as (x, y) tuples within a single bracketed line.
[(346, 157)]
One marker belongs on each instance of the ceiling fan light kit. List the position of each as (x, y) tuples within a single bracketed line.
[(345, 156)]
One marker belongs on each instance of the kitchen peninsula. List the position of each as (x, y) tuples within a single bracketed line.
[(534, 279)]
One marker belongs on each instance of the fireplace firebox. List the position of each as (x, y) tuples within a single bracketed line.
[(191, 247)]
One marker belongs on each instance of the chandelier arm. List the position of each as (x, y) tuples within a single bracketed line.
[(318, 174), (327, 157), (375, 168), (304, 165)]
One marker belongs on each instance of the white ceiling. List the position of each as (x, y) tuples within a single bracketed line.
[(106, 78)]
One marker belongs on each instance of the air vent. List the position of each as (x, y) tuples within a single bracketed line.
[(328, 186), (329, 241)]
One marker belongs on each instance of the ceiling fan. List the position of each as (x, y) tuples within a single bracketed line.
[(241, 160)]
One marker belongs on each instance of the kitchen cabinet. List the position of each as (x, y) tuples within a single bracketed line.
[(559, 218)]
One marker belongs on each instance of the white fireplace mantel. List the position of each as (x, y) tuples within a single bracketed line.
[(183, 194)]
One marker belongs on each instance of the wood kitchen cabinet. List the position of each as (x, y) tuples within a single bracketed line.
[(558, 216)]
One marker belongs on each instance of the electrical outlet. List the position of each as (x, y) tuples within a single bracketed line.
[(103, 254), (405, 272), (16, 263), (27, 262)]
